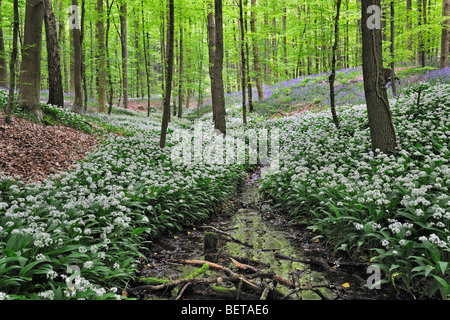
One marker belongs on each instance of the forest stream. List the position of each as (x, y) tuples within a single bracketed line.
[(260, 255)]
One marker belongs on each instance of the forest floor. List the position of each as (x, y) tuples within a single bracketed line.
[(34, 152)]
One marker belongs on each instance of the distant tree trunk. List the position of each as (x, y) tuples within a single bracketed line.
[(3, 62), (212, 54), (169, 74), (108, 61), (181, 71), (147, 69), (421, 51), (333, 67), (243, 63), (77, 78), (123, 41), (285, 40), (409, 28), (101, 66), (445, 34), (220, 123), (267, 47), (12, 63), (30, 77), (83, 56), (249, 82), (139, 85), (256, 59), (393, 84), (382, 130)]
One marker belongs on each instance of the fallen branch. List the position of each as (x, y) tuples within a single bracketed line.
[(321, 262), (232, 276), (226, 234), (263, 273)]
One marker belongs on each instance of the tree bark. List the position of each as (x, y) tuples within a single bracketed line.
[(12, 63), (123, 41), (212, 54), (147, 69), (169, 74), (220, 123), (392, 47), (108, 61), (30, 77), (243, 63), (181, 71), (77, 78), (256, 58), (3, 62), (101, 65), (382, 130), (333, 67), (445, 34)]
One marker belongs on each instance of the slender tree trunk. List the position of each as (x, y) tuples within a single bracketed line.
[(421, 50), (56, 92), (12, 63), (445, 34), (62, 44), (147, 69), (108, 60), (212, 55), (139, 86), (83, 55), (243, 63), (249, 81), (30, 76), (285, 60), (382, 130), (333, 67), (169, 74), (256, 59), (123, 41), (101, 65), (393, 84), (181, 71), (409, 28), (3, 62), (77, 78), (220, 123)]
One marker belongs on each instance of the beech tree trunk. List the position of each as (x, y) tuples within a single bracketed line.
[(12, 63), (30, 76), (382, 130), (243, 63), (333, 67), (169, 74), (101, 65), (220, 123), (445, 34), (181, 69), (256, 58), (123, 41), (3, 62), (392, 47), (212, 54), (77, 78)]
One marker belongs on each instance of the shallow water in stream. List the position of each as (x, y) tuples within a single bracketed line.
[(266, 236)]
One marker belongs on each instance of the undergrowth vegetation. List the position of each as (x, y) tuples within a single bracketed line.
[(98, 216), (395, 207)]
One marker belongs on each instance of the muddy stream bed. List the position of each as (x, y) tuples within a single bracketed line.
[(260, 255)]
